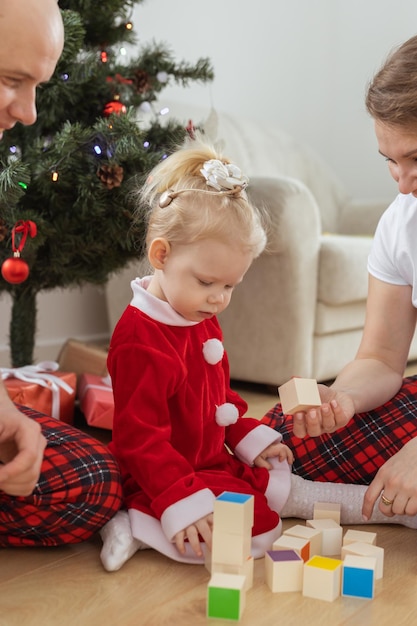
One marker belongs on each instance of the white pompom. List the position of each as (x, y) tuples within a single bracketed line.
[(226, 414), (213, 351)]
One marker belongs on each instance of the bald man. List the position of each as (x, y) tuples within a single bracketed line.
[(49, 471)]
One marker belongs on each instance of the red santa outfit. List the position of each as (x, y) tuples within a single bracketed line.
[(174, 415)]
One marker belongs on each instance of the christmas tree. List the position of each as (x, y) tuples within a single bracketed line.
[(66, 210)]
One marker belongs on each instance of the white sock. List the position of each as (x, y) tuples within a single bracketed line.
[(119, 545), (305, 493)]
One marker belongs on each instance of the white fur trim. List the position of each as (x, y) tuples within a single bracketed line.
[(187, 511), (227, 414), (255, 442), (213, 351), (279, 485), (149, 530)]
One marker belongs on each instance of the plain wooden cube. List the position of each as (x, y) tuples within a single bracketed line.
[(226, 596), (230, 548), (332, 535), (288, 542), (233, 513), (298, 394), (367, 549), (355, 536), (245, 570), (322, 578), (358, 576), (284, 570), (327, 510), (311, 534)]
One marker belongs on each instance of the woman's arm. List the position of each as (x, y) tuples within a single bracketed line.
[(376, 373)]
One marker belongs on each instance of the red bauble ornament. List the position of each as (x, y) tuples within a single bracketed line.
[(115, 106), (15, 270)]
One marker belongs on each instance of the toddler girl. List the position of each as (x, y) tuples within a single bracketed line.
[(180, 435)]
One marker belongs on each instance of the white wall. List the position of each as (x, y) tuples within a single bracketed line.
[(303, 64)]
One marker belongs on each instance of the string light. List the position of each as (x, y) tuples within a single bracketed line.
[(22, 184), (55, 176), (129, 26), (104, 57)]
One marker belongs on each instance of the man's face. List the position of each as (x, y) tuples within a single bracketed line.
[(31, 41)]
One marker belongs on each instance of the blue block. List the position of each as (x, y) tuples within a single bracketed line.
[(231, 496), (358, 582)]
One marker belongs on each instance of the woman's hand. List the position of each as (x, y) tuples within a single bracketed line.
[(336, 410), (395, 484), (203, 527), (279, 450), (21, 451)]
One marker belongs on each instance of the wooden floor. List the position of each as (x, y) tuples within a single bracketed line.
[(68, 587)]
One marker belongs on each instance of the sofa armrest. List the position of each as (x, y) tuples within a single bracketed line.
[(268, 325), (360, 217)]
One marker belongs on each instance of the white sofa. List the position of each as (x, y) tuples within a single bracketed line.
[(300, 309)]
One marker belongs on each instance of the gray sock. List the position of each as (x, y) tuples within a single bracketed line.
[(305, 493)]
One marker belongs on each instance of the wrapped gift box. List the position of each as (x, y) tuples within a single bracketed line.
[(95, 395), (44, 388), (83, 358)]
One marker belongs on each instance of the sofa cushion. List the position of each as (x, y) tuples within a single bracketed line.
[(343, 275), (339, 318)]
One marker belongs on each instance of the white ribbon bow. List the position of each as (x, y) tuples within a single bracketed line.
[(106, 386), (39, 375)]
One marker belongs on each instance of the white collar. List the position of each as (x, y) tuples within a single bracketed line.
[(155, 308)]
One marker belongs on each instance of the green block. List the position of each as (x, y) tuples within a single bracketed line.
[(225, 597)]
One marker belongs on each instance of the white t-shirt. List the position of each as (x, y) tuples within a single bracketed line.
[(393, 257)]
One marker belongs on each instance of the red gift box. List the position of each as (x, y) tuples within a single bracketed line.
[(95, 394), (42, 387)]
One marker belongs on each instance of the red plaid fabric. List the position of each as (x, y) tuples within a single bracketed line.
[(355, 453), (78, 491)]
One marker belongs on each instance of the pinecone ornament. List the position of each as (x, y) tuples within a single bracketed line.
[(141, 81), (111, 175)]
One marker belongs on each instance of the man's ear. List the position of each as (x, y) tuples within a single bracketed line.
[(158, 252)]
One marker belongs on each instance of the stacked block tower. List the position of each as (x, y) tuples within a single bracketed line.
[(230, 561)]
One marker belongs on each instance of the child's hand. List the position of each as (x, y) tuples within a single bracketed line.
[(279, 450), (203, 527)]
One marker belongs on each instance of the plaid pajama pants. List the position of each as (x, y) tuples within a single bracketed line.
[(78, 491), (356, 452)]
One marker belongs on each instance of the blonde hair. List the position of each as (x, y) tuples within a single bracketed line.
[(191, 213), (392, 94)]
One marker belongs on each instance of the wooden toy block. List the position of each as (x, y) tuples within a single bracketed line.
[(229, 548), (298, 394), (245, 570), (358, 576), (311, 534), (288, 542), (284, 570), (332, 534), (226, 596), (322, 578), (233, 513), (367, 549), (327, 510), (362, 536)]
